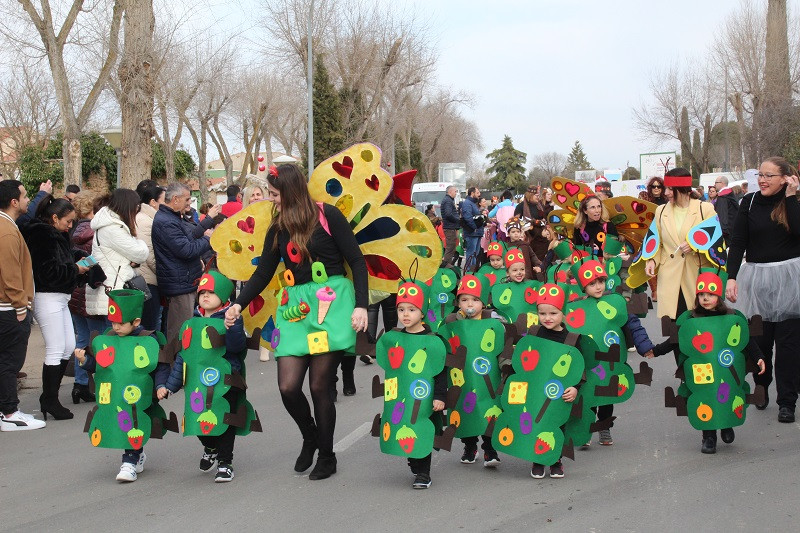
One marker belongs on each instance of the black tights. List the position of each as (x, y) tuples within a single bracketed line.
[(321, 369)]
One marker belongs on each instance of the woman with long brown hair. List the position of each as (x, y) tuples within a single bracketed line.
[(115, 247), (592, 225), (654, 192), (767, 229), (313, 239)]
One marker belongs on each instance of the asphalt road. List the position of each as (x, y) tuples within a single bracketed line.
[(653, 478)]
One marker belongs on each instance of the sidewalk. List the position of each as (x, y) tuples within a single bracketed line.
[(34, 360)]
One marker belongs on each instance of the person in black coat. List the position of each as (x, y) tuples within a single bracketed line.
[(55, 275), (451, 223)]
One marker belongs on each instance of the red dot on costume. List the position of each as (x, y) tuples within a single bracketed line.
[(700, 237), (650, 246)]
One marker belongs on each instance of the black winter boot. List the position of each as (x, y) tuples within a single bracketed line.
[(306, 457), (82, 392), (325, 467), (48, 401)]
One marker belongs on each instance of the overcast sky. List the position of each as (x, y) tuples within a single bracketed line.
[(550, 72)]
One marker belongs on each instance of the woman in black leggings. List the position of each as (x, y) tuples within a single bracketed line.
[(767, 229), (319, 311)]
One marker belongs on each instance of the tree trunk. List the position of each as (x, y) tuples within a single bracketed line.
[(137, 97), (71, 152)]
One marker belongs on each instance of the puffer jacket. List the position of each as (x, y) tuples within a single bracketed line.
[(469, 210), (54, 268), (114, 249), (144, 228), (177, 252), (82, 237)]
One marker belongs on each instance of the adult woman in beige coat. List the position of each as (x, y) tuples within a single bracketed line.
[(151, 197), (676, 264)]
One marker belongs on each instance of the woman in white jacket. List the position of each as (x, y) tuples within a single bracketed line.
[(115, 247), (151, 197)]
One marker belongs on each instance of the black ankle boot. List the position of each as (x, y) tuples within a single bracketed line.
[(325, 467), (82, 392), (709, 444), (48, 401), (348, 384), (306, 457)]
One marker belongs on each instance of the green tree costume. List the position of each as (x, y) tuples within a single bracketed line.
[(483, 341), (714, 368), (126, 415), (411, 362), (207, 377), (512, 299), (530, 426)]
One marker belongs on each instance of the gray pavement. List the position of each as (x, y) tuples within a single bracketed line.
[(653, 478)]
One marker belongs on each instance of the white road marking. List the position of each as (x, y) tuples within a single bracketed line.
[(353, 437)]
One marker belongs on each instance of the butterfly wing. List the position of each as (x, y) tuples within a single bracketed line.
[(568, 193), (648, 250), (392, 236), (238, 242), (631, 216), (562, 222), (706, 238)]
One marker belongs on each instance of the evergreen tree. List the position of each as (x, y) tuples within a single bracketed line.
[(631, 173), (328, 130), (408, 157), (697, 149), (576, 160), (507, 167)]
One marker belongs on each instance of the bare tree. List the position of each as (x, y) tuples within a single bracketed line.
[(551, 163), (28, 113), (55, 32)]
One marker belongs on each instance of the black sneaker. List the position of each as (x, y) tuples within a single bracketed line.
[(537, 471), (727, 435), (224, 473), (421, 481), (709, 445), (557, 470), (468, 457), (208, 460), (490, 459), (367, 360), (786, 415)]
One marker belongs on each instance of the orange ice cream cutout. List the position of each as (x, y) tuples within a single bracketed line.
[(326, 296)]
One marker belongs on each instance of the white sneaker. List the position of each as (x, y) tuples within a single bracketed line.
[(632, 349), (140, 463), (19, 421), (127, 472), (263, 354)]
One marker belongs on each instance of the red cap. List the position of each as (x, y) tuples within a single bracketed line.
[(471, 285), (514, 255), (411, 293), (709, 282), (494, 248), (551, 294), (589, 271)]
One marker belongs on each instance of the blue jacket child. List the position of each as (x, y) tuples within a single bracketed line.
[(214, 292)]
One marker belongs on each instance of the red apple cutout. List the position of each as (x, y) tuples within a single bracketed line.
[(576, 318), (703, 342), (529, 359), (455, 342), (105, 357), (396, 354)]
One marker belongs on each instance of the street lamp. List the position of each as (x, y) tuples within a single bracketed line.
[(309, 82), (114, 137)]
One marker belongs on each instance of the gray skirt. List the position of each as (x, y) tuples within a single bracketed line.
[(771, 290)]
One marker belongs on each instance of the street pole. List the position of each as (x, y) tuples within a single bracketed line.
[(309, 81)]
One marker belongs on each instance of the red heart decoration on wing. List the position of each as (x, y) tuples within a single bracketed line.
[(251, 248), (572, 188), (638, 208), (255, 305), (345, 168), (247, 225), (561, 199), (372, 182)]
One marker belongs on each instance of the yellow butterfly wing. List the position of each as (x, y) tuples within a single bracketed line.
[(568, 193), (238, 242), (631, 216), (392, 236), (562, 222)]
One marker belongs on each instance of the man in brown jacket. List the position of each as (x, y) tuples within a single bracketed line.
[(16, 296)]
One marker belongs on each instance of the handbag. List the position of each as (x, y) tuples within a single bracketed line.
[(138, 283)]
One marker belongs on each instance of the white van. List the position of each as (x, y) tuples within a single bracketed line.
[(425, 194)]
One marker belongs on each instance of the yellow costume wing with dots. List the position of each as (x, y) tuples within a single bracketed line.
[(391, 236)]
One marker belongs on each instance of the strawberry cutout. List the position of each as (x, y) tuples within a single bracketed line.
[(372, 182), (247, 225)]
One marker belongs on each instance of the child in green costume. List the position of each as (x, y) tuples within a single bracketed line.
[(415, 386), (515, 229), (537, 398), (515, 295), (126, 415), (494, 270), (711, 337), (208, 365), (482, 335)]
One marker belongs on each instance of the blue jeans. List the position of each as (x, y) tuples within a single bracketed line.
[(151, 312), (472, 244), (83, 327)]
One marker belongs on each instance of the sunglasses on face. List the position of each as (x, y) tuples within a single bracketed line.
[(657, 186)]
